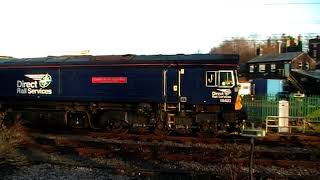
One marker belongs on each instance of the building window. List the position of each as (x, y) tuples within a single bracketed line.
[(300, 65), (251, 68), (281, 72), (314, 53), (262, 68), (307, 66), (314, 45), (273, 67)]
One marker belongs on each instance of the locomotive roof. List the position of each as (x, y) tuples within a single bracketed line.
[(125, 59)]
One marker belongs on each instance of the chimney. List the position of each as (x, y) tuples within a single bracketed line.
[(259, 51), (279, 46), (299, 44), (299, 37), (284, 39), (269, 42)]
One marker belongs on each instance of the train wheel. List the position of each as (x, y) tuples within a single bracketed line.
[(204, 127), (114, 121), (118, 126), (207, 128), (161, 124), (208, 124), (160, 129), (77, 120), (233, 127)]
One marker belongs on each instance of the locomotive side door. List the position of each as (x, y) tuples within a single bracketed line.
[(172, 86)]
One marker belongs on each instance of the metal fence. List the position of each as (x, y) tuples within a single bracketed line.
[(259, 107)]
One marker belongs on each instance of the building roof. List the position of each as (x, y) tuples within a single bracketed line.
[(315, 40), (314, 74), (276, 57)]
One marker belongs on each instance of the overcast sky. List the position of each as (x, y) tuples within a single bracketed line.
[(32, 28)]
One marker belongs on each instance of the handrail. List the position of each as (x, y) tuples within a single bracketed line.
[(275, 124), (296, 83)]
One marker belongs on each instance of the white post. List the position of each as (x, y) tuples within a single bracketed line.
[(283, 116)]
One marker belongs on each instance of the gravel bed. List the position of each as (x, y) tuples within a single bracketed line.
[(50, 171)]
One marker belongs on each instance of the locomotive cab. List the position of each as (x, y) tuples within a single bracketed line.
[(201, 99)]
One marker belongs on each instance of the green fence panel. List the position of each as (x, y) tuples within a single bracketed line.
[(259, 107)]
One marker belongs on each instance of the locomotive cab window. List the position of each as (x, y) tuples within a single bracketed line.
[(219, 78), (226, 78), (211, 78)]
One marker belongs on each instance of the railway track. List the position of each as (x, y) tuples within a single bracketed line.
[(295, 140), (151, 153)]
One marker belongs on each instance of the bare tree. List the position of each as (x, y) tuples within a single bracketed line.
[(269, 46), (249, 48), (244, 47)]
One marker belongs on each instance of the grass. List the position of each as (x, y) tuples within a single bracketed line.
[(11, 137), (313, 125)]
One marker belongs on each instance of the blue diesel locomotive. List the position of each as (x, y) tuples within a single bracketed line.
[(197, 92)]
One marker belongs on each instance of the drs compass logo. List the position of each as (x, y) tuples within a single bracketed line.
[(44, 79), (36, 84)]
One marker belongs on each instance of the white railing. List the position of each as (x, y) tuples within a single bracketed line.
[(298, 123)]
